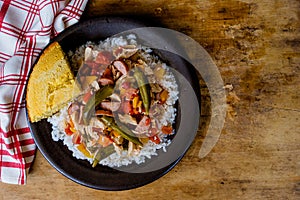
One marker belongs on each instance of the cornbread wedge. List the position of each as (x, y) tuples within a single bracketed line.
[(51, 84)]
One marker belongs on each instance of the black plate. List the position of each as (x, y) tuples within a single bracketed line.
[(80, 171)]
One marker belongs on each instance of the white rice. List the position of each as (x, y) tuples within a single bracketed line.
[(58, 121)]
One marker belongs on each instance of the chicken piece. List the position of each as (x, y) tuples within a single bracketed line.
[(125, 51), (111, 106), (127, 119), (143, 126)]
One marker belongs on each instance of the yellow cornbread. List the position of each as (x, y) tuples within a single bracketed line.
[(51, 84)]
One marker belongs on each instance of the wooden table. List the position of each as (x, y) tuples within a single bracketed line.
[(256, 47)]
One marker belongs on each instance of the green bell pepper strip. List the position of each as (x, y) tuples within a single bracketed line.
[(143, 87), (103, 153), (123, 131), (96, 99)]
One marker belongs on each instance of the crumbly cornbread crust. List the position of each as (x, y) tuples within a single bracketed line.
[(51, 84)]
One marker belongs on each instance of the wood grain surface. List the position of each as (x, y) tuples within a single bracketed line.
[(256, 47)]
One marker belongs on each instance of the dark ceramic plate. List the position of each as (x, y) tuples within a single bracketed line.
[(101, 177)]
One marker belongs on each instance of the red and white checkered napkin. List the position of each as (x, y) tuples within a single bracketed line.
[(25, 29)]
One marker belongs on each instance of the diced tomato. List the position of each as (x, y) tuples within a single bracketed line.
[(155, 139), (167, 130), (147, 122), (68, 130), (87, 96), (76, 138)]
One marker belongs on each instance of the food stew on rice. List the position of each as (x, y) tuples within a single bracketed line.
[(126, 110)]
